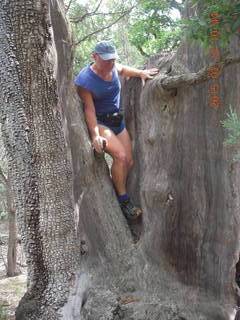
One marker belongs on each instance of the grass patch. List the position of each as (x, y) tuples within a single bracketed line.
[(11, 291), (3, 313)]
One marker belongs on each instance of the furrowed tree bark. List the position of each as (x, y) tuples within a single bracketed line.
[(31, 129), (183, 266)]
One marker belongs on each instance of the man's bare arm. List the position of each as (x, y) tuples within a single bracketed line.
[(89, 111), (91, 119), (134, 72)]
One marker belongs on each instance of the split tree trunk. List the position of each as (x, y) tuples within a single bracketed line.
[(185, 178), (183, 266)]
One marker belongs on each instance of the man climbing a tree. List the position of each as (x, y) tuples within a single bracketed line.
[(99, 88)]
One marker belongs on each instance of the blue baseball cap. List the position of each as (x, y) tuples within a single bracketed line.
[(106, 50)]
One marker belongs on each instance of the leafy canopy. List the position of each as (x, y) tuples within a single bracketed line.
[(92, 22), (140, 28), (152, 27), (209, 15)]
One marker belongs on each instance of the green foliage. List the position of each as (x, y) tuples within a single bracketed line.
[(199, 27), (148, 28), (80, 30), (90, 25), (139, 32), (152, 29), (3, 314), (232, 126)]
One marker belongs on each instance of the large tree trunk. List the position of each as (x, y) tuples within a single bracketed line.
[(183, 266), (185, 179), (36, 150)]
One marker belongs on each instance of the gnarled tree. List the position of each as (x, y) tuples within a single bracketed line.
[(83, 262)]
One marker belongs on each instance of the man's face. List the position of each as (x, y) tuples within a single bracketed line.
[(106, 65)]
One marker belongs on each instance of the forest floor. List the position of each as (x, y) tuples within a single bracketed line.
[(11, 289)]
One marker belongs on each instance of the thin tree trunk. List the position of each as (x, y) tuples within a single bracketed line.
[(12, 233), (12, 245), (12, 228)]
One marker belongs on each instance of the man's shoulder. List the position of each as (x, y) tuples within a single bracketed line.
[(84, 72), (83, 76), (119, 68)]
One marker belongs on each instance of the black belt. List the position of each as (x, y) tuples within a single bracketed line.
[(112, 116)]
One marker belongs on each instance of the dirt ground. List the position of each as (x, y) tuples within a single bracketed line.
[(11, 289)]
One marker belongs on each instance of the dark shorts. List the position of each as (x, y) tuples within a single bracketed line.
[(117, 129)]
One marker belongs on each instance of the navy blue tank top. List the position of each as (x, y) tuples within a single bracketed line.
[(106, 94)]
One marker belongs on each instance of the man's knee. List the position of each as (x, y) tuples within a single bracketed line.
[(121, 157), (130, 163)]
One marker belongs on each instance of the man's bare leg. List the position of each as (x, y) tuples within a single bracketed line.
[(124, 138), (119, 147), (119, 168)]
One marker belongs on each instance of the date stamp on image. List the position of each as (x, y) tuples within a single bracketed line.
[(214, 55)]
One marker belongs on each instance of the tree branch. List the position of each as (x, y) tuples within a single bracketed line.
[(189, 79), (87, 14), (103, 28), (140, 49), (3, 177), (79, 19), (68, 6)]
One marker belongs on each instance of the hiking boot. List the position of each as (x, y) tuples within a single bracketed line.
[(129, 210)]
